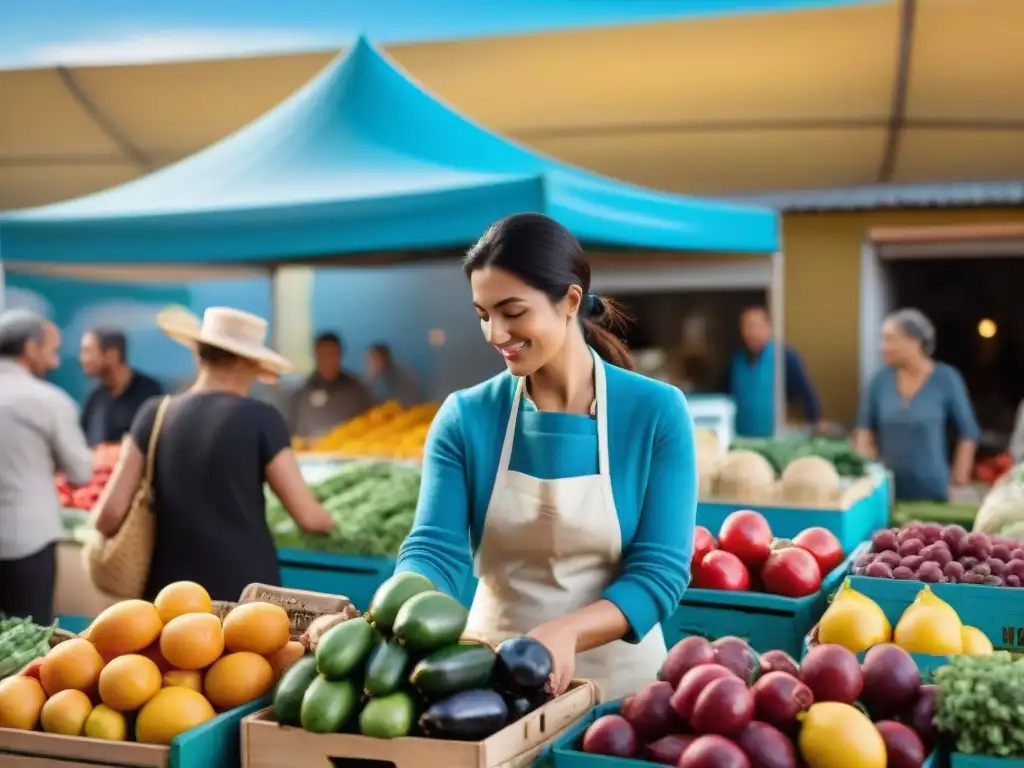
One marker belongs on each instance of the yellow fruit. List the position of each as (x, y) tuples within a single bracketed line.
[(854, 621), (834, 735), (65, 713), (128, 682), (192, 641), (105, 723), (21, 701), (237, 679), (262, 628), (125, 627), (180, 598), (929, 626), (170, 713), (975, 642), (283, 659), (73, 664), (185, 678)]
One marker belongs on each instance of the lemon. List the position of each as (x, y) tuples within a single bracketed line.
[(106, 723), (835, 735), (975, 642), (65, 713), (930, 626), (854, 621)]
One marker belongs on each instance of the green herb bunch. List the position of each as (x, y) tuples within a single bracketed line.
[(981, 704)]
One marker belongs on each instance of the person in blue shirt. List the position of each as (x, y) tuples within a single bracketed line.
[(750, 379), (908, 409), (567, 484)]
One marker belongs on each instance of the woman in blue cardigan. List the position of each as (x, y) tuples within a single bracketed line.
[(571, 479)]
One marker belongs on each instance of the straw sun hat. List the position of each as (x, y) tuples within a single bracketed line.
[(232, 330)]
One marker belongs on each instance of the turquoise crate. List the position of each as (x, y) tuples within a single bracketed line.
[(767, 622), (925, 662), (564, 751), (851, 526), (354, 576), (961, 760), (74, 624), (996, 611)]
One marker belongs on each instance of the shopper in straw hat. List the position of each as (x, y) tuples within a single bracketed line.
[(215, 448)]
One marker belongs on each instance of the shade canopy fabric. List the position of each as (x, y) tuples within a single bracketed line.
[(362, 160)]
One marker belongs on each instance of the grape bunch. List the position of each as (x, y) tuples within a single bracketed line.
[(935, 554)]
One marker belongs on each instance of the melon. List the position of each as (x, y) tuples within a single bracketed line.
[(746, 476), (810, 481)]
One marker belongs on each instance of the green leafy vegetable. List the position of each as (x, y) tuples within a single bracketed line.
[(981, 704)]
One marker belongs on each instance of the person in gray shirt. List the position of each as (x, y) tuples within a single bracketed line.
[(39, 436), (331, 396), (388, 379)]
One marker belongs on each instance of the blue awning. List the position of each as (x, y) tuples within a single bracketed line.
[(363, 160)]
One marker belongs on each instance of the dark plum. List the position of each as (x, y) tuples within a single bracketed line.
[(892, 559), (982, 569), (968, 562), (883, 541), (878, 570), (953, 571), (913, 562), (911, 547), (1001, 552), (1011, 581), (930, 573), (903, 573), (979, 545), (996, 566)]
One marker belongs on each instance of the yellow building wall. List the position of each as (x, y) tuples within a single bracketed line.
[(822, 290)]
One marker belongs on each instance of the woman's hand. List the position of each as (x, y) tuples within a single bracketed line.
[(560, 639)]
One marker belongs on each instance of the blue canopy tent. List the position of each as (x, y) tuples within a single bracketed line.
[(362, 160)]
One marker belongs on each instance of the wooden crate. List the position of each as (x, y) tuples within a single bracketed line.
[(265, 744)]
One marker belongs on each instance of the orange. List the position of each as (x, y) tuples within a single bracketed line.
[(262, 628), (128, 682), (105, 723), (125, 627), (184, 678), (182, 597), (283, 659), (21, 701), (152, 652), (170, 713), (65, 713), (192, 641), (74, 664), (237, 679)]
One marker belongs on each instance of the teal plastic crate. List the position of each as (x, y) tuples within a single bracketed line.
[(354, 576), (925, 662), (961, 760), (996, 611), (215, 744), (851, 526), (74, 624), (564, 751), (767, 622)]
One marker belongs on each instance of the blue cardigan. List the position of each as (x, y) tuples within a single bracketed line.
[(654, 483)]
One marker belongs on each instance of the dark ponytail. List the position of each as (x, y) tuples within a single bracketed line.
[(548, 257)]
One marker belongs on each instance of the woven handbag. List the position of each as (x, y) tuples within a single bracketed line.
[(119, 565)]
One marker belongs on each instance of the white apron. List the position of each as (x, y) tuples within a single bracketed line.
[(550, 547)]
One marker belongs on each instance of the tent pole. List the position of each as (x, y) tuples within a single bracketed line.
[(777, 312), (275, 315)]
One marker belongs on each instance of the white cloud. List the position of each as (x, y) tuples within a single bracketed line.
[(173, 45)]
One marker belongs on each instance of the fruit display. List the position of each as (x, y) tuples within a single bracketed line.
[(780, 453), (929, 626), (148, 672), (403, 669), (720, 705), (748, 556), (386, 431), (21, 642), (372, 503), (1000, 511), (935, 553), (104, 459), (981, 705), (989, 470), (942, 512)]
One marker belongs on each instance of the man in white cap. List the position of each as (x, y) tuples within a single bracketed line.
[(40, 437)]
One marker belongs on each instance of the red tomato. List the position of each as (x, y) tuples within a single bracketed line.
[(722, 570), (791, 572), (747, 535), (703, 542), (825, 547)]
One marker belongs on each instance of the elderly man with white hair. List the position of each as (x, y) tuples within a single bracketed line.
[(39, 436)]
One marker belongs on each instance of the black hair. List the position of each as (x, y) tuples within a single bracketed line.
[(380, 348), (111, 339), (327, 337), (548, 257), (215, 356)]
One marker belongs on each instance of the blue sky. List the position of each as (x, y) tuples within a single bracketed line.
[(47, 32)]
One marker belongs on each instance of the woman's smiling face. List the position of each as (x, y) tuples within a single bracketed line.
[(525, 327)]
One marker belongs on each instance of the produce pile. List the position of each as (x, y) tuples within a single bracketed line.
[(386, 431), (21, 642), (781, 452), (402, 670), (934, 553), (989, 470), (150, 671), (372, 503), (928, 626), (748, 557), (1002, 509), (981, 705), (942, 512), (720, 705), (104, 459)]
